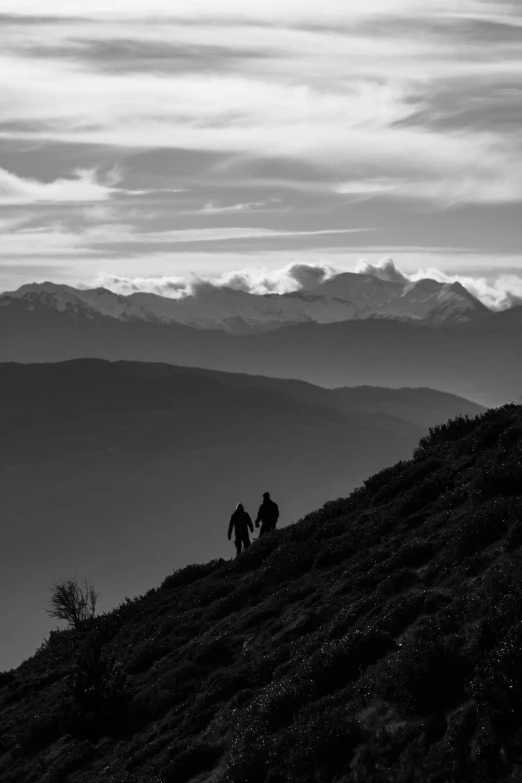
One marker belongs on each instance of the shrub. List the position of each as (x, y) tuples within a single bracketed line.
[(376, 482), (335, 551), (42, 730), (226, 683), (147, 655), (514, 536), (255, 555), (324, 746), (398, 581), (419, 496), (403, 613), (61, 769), (72, 602), (6, 678), (497, 686), (409, 478), (336, 663), (503, 479), (477, 530), (413, 554), (214, 650), (431, 675), (98, 691), (191, 573), (191, 760), (450, 431)]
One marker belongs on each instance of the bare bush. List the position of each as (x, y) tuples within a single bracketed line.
[(72, 601)]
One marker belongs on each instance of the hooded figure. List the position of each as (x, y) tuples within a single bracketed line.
[(268, 515), (241, 523)]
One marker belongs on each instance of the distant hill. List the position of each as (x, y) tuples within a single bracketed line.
[(376, 640), (478, 360), (125, 470)]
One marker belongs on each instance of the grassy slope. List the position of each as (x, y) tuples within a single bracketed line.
[(376, 640)]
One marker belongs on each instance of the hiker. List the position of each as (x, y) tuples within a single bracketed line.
[(240, 522), (268, 515)]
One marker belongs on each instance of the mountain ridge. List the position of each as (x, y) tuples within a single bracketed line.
[(378, 639), (344, 297)]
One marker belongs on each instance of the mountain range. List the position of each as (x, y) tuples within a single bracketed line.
[(345, 297), (120, 470), (473, 352)]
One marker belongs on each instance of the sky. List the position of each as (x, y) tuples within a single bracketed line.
[(145, 141)]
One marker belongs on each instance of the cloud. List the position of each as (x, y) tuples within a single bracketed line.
[(212, 209), (499, 294), (293, 277), (84, 186), (369, 187), (383, 270), (261, 281), (122, 233), (270, 11), (384, 113), (360, 96)]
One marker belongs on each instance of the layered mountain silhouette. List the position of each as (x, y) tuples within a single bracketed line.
[(478, 358), (123, 470), (378, 639)]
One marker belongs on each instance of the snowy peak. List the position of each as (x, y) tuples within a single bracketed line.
[(88, 302), (345, 297)]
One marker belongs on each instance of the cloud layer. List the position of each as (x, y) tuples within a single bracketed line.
[(131, 130), (499, 294), (370, 92)]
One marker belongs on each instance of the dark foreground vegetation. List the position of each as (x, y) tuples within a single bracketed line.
[(376, 641)]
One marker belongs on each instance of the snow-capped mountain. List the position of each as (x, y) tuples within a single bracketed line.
[(345, 297)]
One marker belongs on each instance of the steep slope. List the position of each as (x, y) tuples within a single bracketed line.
[(479, 360), (122, 471), (376, 640), (344, 297)]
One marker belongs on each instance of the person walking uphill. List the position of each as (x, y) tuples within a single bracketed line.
[(241, 523), (268, 515)]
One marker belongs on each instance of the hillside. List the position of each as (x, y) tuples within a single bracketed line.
[(376, 640), (479, 360), (124, 471)]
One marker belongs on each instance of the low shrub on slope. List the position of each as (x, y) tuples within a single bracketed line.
[(377, 640)]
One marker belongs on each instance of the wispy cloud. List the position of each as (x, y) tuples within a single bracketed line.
[(82, 186), (122, 233), (388, 113), (271, 11), (214, 209), (354, 92)]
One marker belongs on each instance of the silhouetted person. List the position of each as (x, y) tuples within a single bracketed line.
[(268, 515), (241, 523)]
